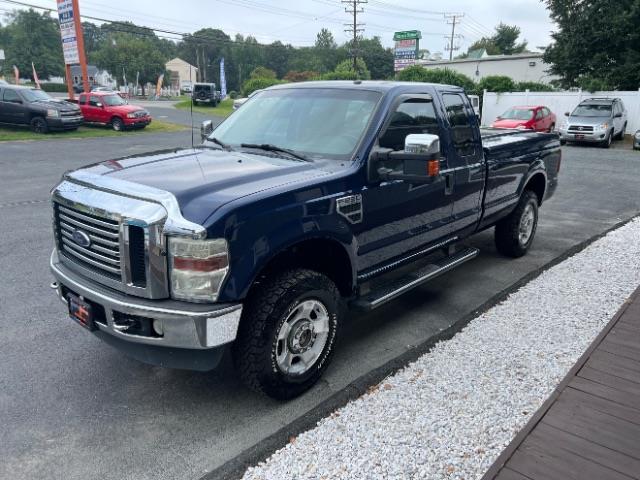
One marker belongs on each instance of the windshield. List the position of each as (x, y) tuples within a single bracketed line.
[(113, 100), (594, 110), (35, 95), (316, 122), (517, 114)]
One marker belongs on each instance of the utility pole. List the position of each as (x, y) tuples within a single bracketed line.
[(453, 19), (353, 8)]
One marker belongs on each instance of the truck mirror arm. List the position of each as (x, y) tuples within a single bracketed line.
[(405, 166)]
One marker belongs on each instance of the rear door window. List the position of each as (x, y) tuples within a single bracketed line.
[(11, 96), (460, 123)]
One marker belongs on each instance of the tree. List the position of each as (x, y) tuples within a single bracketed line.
[(277, 58), (379, 60), (502, 42), (595, 41), (33, 37), (344, 71), (326, 50), (204, 49), (134, 54), (262, 72)]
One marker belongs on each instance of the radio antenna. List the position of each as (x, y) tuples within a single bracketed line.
[(191, 107)]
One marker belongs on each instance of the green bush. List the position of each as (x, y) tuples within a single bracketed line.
[(233, 94), (496, 83), (533, 87), (54, 87), (254, 84), (344, 70), (296, 76), (592, 84), (349, 75), (444, 76)]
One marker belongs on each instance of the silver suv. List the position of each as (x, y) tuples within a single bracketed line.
[(595, 120)]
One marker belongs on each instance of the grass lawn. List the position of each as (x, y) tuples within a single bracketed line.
[(14, 133), (224, 108)]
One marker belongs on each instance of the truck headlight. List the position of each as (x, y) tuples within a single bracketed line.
[(53, 113), (197, 268)]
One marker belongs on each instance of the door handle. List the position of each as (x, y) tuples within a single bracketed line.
[(448, 183)]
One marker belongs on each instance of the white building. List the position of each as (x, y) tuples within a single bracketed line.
[(181, 71), (522, 67)]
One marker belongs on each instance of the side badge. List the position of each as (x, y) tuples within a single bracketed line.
[(350, 208)]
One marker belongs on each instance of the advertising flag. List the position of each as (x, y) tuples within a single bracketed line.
[(223, 80), (16, 73), (159, 85), (35, 76)]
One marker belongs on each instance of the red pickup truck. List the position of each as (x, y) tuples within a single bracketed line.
[(109, 108)]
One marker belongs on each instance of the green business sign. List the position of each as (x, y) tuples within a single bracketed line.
[(408, 35)]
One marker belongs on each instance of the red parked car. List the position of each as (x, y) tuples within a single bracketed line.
[(539, 119), (111, 109)]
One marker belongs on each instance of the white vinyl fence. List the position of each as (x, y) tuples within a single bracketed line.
[(559, 102)]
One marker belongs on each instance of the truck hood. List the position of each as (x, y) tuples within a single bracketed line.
[(588, 121), (126, 108), (204, 179), (61, 105)]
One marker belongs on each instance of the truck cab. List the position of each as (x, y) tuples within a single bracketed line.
[(311, 200)]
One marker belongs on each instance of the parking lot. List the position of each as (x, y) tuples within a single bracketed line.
[(71, 407)]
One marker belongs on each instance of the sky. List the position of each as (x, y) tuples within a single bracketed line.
[(297, 21)]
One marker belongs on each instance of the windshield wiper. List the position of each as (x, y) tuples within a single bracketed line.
[(268, 147), (224, 146)]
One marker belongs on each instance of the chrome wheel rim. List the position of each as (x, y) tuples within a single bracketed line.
[(302, 337), (526, 224), (38, 126)]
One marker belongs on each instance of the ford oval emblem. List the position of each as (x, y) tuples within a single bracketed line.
[(81, 238)]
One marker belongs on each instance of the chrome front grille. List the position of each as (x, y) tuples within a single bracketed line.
[(102, 253), (580, 129)]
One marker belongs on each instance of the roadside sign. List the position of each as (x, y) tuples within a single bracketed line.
[(68, 32), (407, 46)]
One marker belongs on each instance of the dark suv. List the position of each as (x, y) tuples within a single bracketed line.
[(25, 106), (205, 93)]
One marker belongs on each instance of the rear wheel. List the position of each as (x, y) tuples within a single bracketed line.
[(514, 234), (117, 124), (39, 125), (287, 333)]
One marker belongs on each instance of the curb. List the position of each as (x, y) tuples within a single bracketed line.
[(236, 467)]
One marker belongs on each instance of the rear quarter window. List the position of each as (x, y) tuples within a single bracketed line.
[(459, 121)]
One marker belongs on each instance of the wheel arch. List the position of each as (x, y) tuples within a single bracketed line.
[(325, 255), (537, 183)]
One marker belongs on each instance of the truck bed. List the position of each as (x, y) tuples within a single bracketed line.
[(515, 142)]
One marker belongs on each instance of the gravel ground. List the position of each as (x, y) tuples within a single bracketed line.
[(450, 414)]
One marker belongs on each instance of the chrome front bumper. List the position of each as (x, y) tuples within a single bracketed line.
[(184, 325)]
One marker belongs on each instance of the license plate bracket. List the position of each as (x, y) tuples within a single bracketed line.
[(81, 312)]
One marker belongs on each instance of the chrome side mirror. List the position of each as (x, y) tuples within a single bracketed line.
[(206, 128), (423, 143)]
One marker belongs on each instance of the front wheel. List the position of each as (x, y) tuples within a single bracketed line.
[(606, 143), (287, 333), (117, 124), (514, 234), (39, 125)]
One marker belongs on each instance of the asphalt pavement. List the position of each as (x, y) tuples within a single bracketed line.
[(71, 407)]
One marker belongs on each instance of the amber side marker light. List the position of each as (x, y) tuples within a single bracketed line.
[(433, 168)]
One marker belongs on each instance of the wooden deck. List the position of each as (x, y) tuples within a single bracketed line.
[(590, 426)]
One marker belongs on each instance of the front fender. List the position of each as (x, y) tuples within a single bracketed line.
[(256, 241)]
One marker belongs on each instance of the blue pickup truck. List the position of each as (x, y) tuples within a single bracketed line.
[(311, 200)]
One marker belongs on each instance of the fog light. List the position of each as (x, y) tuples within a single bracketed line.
[(158, 327)]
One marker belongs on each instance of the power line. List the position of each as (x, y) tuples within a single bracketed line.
[(355, 28)]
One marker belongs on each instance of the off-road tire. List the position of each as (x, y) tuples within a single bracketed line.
[(117, 124), (39, 125), (507, 232), (266, 309)]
